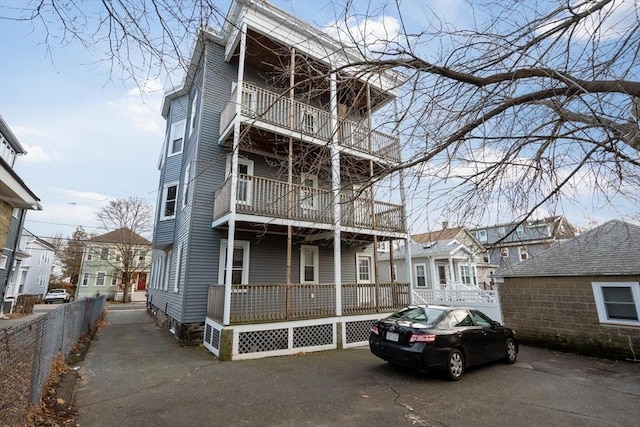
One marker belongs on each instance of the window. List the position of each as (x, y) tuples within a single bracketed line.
[(85, 279), (308, 122), (176, 281), (239, 263), (383, 246), (482, 235), (89, 256), (520, 231), (501, 231), (617, 302), (481, 319), (308, 191), (245, 172), (104, 253), (421, 275), (167, 270), (100, 279), (169, 196), (394, 273), (364, 268), (468, 275), (176, 138), (114, 279), (142, 256), (194, 112), (523, 252), (118, 257), (3, 262), (504, 252), (309, 263), (185, 185)]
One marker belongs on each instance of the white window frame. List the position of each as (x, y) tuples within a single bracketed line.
[(89, 255), (523, 252), (3, 262), (248, 183), (104, 277), (104, 254), (163, 206), (482, 236), (85, 279), (504, 252), (601, 307), (315, 250), (469, 272), (247, 108), (242, 244), (194, 112), (307, 201), (185, 185), (114, 278), (176, 279), (174, 135), (424, 274), (167, 270), (369, 259)]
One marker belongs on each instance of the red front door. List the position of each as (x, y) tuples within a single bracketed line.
[(142, 281)]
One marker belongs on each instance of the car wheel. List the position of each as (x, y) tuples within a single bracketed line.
[(511, 351), (455, 365)]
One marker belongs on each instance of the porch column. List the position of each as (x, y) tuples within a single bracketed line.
[(234, 179), (434, 273), (335, 189), (452, 272), (405, 221)]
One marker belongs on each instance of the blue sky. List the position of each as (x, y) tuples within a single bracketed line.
[(91, 136)]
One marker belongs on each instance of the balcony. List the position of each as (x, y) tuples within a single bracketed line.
[(257, 303), (275, 199), (261, 106)]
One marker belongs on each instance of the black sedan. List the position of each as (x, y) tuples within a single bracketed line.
[(429, 337)]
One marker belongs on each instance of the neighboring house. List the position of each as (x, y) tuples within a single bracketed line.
[(264, 213), (103, 261), (582, 295), (15, 199), (484, 270), (32, 271), (508, 244), (443, 271)]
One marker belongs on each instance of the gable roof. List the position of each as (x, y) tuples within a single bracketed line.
[(449, 247), (611, 249), (121, 235), (433, 236), (554, 228)]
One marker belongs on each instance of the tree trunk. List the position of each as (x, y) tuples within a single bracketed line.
[(127, 285)]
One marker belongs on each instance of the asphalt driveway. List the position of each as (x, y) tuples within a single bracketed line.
[(134, 374)]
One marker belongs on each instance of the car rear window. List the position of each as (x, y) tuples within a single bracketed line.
[(426, 315)]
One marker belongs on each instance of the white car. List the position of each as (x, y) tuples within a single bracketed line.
[(57, 295)]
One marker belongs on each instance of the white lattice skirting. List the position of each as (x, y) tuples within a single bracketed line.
[(285, 338)]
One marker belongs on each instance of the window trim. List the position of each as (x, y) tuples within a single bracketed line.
[(523, 251), (165, 193), (193, 112), (85, 279), (424, 270), (248, 182), (600, 305), (244, 244), (316, 263), (186, 179), (504, 251), (369, 258), (173, 137), (309, 201), (104, 277), (176, 279)]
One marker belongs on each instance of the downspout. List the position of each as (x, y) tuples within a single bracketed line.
[(234, 180)]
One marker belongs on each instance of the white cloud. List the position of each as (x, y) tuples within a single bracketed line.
[(140, 107), (373, 34)]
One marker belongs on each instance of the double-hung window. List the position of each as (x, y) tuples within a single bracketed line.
[(169, 198), (421, 275), (617, 302), (185, 185), (100, 279), (176, 137), (309, 264)]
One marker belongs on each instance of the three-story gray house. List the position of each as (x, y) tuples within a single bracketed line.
[(267, 222)]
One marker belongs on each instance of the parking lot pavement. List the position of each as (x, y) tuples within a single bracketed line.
[(135, 374)]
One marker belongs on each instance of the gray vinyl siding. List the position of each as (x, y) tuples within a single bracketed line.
[(10, 245), (203, 252)]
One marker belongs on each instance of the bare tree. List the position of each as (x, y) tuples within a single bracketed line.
[(525, 106), (70, 253), (129, 221)]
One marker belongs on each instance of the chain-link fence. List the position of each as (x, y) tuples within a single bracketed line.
[(28, 351)]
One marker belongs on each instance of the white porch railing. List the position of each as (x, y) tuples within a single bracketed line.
[(276, 199), (486, 301), (275, 109)]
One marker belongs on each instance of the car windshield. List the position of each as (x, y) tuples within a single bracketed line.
[(426, 315)]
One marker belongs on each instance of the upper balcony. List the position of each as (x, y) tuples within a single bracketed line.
[(268, 198), (278, 113)]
